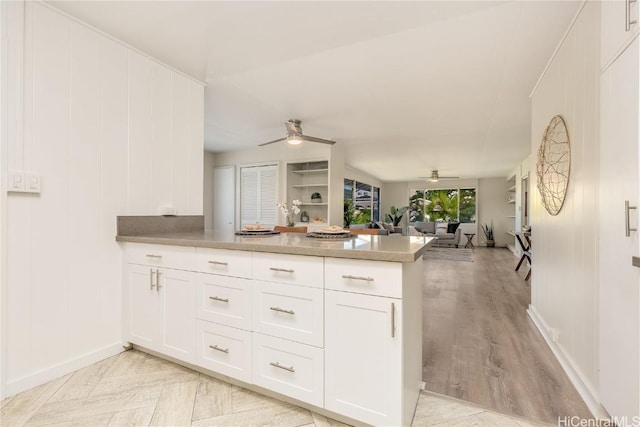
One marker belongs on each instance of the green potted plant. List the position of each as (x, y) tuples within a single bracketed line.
[(488, 232), (350, 213), (396, 215)]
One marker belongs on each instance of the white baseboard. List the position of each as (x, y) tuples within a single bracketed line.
[(588, 395), (56, 371)]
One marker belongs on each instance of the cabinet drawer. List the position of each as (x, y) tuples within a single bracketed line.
[(293, 369), (225, 300), (291, 269), (177, 257), (364, 277), (224, 262), (225, 350), (292, 312)]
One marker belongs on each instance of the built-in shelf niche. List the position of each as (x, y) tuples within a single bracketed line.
[(304, 179)]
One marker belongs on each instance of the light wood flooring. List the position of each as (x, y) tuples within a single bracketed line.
[(480, 346), (137, 389)]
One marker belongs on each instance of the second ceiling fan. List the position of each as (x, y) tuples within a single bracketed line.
[(295, 136), (435, 177)]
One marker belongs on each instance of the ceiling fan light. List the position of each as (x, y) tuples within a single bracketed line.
[(294, 140)]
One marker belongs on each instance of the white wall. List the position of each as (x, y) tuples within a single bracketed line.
[(209, 164), (493, 206), (565, 253), (394, 194), (111, 132), (281, 153)]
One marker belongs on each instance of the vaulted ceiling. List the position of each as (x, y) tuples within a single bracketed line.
[(406, 86)]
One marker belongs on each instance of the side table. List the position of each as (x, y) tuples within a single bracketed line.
[(469, 240)]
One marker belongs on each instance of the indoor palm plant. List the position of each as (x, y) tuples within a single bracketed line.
[(488, 232), (396, 215)]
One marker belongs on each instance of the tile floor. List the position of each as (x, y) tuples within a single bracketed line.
[(137, 389)]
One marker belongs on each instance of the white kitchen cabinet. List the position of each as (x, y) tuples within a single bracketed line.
[(225, 350), (290, 368), (363, 357), (160, 309), (177, 290), (617, 29), (290, 312), (619, 357), (142, 306), (341, 334), (291, 269), (224, 300)]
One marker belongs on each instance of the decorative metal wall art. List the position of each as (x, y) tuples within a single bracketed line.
[(554, 165)]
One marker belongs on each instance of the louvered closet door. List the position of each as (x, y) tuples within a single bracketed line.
[(258, 198)]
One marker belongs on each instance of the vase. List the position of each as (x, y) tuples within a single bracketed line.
[(491, 243), (290, 221)]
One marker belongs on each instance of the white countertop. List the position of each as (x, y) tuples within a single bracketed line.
[(376, 248)]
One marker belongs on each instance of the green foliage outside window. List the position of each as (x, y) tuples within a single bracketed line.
[(449, 205)]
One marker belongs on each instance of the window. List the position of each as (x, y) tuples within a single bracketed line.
[(449, 205), (258, 192), (365, 198)]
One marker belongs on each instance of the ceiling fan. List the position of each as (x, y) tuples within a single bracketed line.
[(295, 136), (435, 177)]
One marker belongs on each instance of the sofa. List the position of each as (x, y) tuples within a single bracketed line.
[(390, 228), (447, 233)]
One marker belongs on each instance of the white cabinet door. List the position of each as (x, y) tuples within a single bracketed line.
[(142, 312), (363, 357), (614, 33), (619, 280), (177, 291)]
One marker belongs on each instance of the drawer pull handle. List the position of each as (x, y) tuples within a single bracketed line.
[(349, 276), (217, 298), (279, 366), (284, 270), (393, 320), (151, 284), (215, 347), (218, 263), (158, 280), (282, 310), (153, 256)]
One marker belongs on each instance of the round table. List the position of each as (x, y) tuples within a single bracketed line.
[(469, 242)]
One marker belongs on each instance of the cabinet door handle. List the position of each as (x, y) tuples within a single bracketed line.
[(218, 263), (153, 256), (284, 270), (627, 15), (151, 285), (282, 310), (158, 280), (216, 298), (627, 228), (393, 320), (279, 366), (220, 349), (349, 276)]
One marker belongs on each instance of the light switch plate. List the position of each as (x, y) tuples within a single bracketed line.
[(32, 183), (16, 181)]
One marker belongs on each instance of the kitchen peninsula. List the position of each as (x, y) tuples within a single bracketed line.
[(334, 324)]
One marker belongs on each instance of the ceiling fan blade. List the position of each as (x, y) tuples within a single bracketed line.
[(314, 139), (271, 142)]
